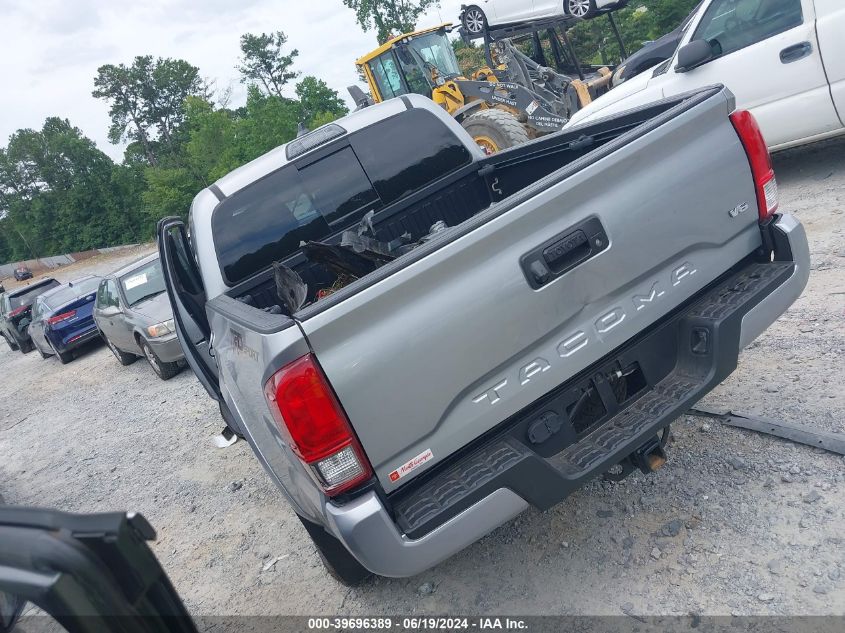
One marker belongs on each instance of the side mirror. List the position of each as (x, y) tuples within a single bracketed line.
[(694, 54)]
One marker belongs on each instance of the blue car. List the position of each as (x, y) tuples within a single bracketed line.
[(62, 319)]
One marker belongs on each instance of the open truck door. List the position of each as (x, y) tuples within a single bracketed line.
[(187, 297), (91, 573)]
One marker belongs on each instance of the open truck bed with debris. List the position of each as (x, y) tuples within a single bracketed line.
[(420, 341)]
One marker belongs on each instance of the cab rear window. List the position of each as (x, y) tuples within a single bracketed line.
[(313, 199)]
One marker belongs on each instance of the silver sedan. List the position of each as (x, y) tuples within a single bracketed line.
[(133, 314)]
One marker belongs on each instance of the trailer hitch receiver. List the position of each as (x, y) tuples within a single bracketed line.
[(650, 456)]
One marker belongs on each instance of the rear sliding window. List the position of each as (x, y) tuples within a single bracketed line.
[(23, 298), (407, 152), (267, 221)]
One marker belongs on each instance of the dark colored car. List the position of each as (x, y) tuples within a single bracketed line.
[(16, 313), (63, 320), (22, 272), (652, 53), (134, 316)]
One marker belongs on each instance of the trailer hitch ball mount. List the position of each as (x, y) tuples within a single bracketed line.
[(647, 458)]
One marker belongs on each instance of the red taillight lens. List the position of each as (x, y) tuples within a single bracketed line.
[(61, 317), (765, 183), (308, 413), (18, 311)]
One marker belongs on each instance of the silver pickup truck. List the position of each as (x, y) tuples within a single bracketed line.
[(420, 341)]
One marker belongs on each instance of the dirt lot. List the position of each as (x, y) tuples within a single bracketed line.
[(735, 523)]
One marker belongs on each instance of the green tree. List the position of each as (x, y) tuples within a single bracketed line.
[(470, 57), (319, 103), (60, 194), (265, 63), (125, 89), (389, 17), (146, 101)]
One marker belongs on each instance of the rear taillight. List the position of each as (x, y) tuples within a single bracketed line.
[(308, 413), (18, 311), (765, 183), (64, 316)]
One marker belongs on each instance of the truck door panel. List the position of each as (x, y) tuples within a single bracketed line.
[(770, 61)]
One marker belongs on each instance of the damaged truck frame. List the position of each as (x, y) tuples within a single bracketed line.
[(419, 341)]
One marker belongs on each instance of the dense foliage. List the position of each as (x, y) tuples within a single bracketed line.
[(59, 193)]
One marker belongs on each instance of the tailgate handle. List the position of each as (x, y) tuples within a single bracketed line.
[(567, 251), (564, 252)]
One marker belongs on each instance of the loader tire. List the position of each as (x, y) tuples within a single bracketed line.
[(494, 130)]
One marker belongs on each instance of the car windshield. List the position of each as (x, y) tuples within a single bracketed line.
[(143, 283), (23, 298), (69, 293)]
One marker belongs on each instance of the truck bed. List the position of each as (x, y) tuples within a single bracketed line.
[(458, 198), (440, 347)]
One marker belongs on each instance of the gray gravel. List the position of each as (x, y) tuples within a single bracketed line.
[(735, 523)]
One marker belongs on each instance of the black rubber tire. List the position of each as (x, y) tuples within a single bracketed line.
[(124, 358), (578, 12), (501, 127), (64, 357), (163, 370), (341, 565), (25, 346), (469, 21), (12, 345)]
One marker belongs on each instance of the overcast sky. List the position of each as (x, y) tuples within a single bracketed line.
[(51, 49)]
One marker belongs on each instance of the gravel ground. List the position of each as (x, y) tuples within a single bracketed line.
[(735, 523)]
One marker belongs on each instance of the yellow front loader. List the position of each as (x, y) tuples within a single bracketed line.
[(499, 106)]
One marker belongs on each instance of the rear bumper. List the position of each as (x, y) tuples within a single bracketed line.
[(489, 483), (67, 341), (167, 348)]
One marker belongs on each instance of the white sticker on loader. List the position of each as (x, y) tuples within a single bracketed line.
[(411, 464), (531, 107), (134, 282)]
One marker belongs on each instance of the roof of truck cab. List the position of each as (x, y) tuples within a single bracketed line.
[(274, 159)]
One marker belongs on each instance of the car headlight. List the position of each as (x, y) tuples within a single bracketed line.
[(162, 329)]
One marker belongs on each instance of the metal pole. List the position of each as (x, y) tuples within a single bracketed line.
[(618, 35), (487, 53), (539, 55), (556, 50), (572, 54)]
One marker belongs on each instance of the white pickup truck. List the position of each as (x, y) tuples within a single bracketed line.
[(784, 60)]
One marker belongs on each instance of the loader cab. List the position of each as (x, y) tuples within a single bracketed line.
[(410, 63)]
